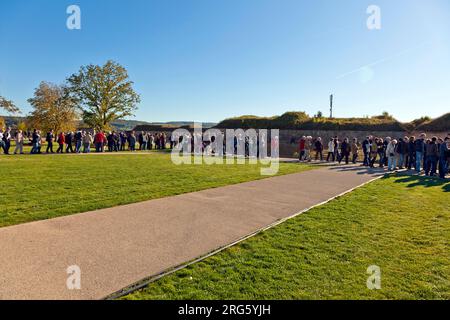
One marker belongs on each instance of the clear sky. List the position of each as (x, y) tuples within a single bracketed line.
[(206, 60)]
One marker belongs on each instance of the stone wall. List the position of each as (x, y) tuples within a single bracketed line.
[(288, 149)]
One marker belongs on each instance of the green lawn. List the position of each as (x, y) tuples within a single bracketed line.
[(401, 224), (47, 186)]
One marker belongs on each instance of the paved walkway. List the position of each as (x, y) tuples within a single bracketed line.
[(119, 246)]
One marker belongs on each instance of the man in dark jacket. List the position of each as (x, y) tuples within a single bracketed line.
[(365, 147), (411, 152), (36, 142), (111, 142), (443, 157), (123, 141), (420, 150), (78, 141), (345, 151), (49, 139), (7, 140), (318, 146), (116, 139), (432, 157), (69, 141)]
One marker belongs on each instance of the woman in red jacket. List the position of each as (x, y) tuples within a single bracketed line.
[(99, 141), (61, 140), (302, 147)]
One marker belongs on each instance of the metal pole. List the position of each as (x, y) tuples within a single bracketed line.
[(331, 106)]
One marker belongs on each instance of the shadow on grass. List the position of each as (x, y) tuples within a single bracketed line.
[(421, 181), (358, 169)]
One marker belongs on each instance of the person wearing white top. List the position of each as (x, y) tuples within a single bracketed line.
[(330, 150), (390, 153), (19, 142)]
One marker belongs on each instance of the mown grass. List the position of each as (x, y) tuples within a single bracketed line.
[(47, 186), (401, 224)]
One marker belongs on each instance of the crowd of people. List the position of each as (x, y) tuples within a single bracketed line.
[(81, 141), (430, 155)]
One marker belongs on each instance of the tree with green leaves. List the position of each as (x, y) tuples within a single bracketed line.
[(8, 105), (104, 94), (53, 108)]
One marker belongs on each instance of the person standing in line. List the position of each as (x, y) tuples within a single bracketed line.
[(381, 152), (366, 151), (373, 151), (308, 148), (140, 138), (390, 152), (116, 141), (172, 143), (2, 143), (156, 136), (34, 142), (99, 141), (19, 142), (424, 162), (69, 141), (337, 143), (402, 151), (399, 153), (163, 141), (440, 141), (7, 140), (386, 142), (406, 152), (301, 151), (87, 141), (330, 150), (420, 150), (49, 139), (39, 141), (431, 156), (123, 141), (143, 145), (150, 141), (443, 157), (61, 141), (318, 145), (110, 139), (78, 141), (411, 152), (345, 151), (132, 141), (355, 150)]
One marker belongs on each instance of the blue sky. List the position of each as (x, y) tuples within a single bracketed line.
[(206, 60)]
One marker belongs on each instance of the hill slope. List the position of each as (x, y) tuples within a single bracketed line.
[(441, 124), (301, 121)]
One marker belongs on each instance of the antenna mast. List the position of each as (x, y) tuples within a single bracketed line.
[(331, 106)]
